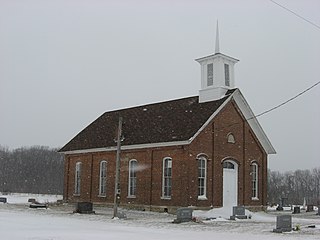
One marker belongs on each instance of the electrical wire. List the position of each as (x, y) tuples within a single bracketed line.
[(296, 14), (285, 102), (269, 110)]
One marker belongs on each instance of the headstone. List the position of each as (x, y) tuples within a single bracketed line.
[(32, 200), (38, 205), (318, 210), (184, 215), (284, 224), (122, 215), (296, 210), (238, 212), (309, 208), (84, 207), (3, 199)]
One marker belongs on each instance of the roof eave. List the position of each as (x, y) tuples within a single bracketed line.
[(253, 122), (128, 147)]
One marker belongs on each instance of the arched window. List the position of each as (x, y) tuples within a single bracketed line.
[(227, 164), (230, 138), (132, 185), (202, 177), (77, 180), (166, 177), (103, 179), (254, 175)]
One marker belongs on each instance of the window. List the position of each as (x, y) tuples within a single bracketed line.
[(202, 177), (226, 74), (254, 175), (210, 74), (132, 186), (228, 165), (77, 179), (103, 179), (230, 138), (167, 178)]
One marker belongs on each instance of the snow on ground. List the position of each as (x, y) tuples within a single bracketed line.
[(22, 198), (18, 221)]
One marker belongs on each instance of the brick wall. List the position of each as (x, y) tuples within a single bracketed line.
[(212, 142)]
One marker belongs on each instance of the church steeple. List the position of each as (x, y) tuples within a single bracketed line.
[(217, 74)]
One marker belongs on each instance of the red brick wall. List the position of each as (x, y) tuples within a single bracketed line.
[(212, 142)]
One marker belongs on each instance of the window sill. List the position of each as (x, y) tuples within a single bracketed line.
[(102, 196), (166, 198), (255, 199), (131, 196), (76, 195), (202, 198)]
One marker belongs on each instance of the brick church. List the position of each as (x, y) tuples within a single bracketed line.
[(202, 151)]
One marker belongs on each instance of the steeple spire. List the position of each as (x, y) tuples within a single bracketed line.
[(217, 49)]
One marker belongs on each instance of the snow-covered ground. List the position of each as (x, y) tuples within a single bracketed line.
[(18, 221), (22, 198)]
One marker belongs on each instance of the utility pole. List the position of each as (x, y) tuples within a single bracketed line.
[(117, 184)]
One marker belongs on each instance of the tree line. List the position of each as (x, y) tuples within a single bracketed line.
[(36, 169), (294, 187), (40, 169)]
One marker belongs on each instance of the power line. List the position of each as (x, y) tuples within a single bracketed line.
[(296, 14), (271, 109), (285, 102)]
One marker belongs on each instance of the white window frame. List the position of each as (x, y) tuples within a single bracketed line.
[(77, 179), (166, 178), (103, 179), (132, 179), (255, 181), (202, 177)]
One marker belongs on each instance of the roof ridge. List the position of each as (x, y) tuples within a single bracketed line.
[(150, 104)]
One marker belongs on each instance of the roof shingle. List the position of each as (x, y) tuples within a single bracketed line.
[(175, 120)]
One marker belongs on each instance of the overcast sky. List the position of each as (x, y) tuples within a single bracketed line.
[(65, 62)]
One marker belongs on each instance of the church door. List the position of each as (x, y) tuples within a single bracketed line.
[(230, 183)]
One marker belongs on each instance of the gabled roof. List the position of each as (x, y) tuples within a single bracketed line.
[(167, 123)]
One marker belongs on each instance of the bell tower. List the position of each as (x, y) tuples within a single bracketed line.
[(217, 74)]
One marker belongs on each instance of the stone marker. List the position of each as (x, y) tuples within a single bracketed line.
[(318, 210), (122, 215), (32, 200), (183, 215), (38, 205), (3, 199), (296, 210), (238, 212), (84, 207), (284, 224), (309, 208)]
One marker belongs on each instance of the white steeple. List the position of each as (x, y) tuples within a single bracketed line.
[(217, 74)]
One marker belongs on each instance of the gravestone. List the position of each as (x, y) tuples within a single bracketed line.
[(238, 212), (32, 200), (309, 208), (3, 199), (183, 215), (318, 210), (84, 207), (284, 224), (38, 205), (122, 215), (296, 210)]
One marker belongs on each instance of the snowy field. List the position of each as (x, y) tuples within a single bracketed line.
[(18, 221)]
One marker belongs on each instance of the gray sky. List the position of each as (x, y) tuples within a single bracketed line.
[(65, 62)]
